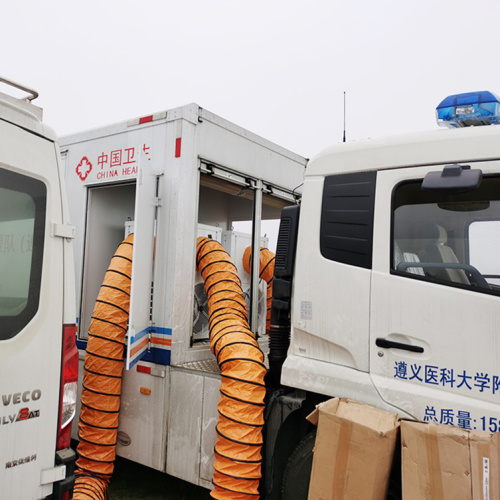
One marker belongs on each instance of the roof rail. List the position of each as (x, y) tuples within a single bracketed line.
[(33, 93)]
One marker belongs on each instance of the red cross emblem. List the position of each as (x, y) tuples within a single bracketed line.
[(83, 169)]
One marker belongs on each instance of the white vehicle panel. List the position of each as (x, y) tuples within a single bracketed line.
[(141, 435), (456, 375), (146, 204), (331, 321), (31, 361), (184, 433)]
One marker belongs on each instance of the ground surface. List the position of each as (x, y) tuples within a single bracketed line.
[(132, 481)]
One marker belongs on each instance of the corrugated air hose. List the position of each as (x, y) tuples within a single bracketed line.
[(102, 379), (266, 272), (241, 406)]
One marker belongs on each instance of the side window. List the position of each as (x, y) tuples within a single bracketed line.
[(448, 238), (346, 233), (484, 240), (22, 227)]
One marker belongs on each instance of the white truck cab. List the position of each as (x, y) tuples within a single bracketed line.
[(394, 297), (38, 356)]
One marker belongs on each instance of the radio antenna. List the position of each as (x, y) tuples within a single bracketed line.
[(344, 117)]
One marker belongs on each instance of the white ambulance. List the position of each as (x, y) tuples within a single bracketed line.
[(38, 356)]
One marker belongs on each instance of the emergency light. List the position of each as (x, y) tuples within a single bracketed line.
[(469, 110)]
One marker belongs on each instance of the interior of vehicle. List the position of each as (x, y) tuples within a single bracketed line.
[(449, 238)]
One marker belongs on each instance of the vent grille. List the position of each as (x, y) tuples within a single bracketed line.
[(287, 242)]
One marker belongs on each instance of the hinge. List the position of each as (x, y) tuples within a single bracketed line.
[(158, 201), (158, 372), (150, 328), (63, 230), (53, 474)]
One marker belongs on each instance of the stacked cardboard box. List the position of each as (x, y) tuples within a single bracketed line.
[(440, 461), (353, 452)]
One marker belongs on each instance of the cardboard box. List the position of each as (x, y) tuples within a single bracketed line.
[(445, 462), (353, 451), (485, 465)]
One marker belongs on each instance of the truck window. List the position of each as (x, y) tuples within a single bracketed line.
[(22, 224), (448, 238), (347, 209), (484, 243)]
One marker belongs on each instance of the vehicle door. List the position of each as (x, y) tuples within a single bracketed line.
[(31, 312), (434, 326)]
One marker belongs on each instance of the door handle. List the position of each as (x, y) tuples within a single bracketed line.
[(389, 344)]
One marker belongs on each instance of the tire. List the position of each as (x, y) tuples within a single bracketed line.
[(297, 475)]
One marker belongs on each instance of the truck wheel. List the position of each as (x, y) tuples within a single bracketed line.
[(297, 475)]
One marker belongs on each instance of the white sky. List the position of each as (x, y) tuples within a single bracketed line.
[(276, 67)]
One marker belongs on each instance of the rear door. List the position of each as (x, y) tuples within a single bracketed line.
[(31, 308), (434, 347)]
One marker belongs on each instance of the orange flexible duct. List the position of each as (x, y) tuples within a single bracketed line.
[(241, 406), (266, 272), (102, 379)]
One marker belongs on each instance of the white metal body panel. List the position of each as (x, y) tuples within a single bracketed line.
[(227, 144), (177, 233), (210, 417), (143, 415), (146, 204), (175, 143), (184, 432), (25, 115), (330, 322), (465, 145), (331, 379), (30, 362)]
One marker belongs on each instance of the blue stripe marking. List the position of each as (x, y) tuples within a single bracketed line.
[(139, 336), (155, 355), (140, 355), (81, 345), (158, 329), (159, 356)]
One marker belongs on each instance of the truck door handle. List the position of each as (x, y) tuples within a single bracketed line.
[(389, 344)]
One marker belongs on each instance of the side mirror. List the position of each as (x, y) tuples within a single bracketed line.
[(453, 179)]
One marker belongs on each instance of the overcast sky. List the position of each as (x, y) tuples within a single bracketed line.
[(276, 67)]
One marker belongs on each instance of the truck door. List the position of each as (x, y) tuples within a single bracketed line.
[(146, 205), (434, 320), (31, 313)]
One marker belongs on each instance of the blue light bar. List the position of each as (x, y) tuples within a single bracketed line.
[(469, 110)]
